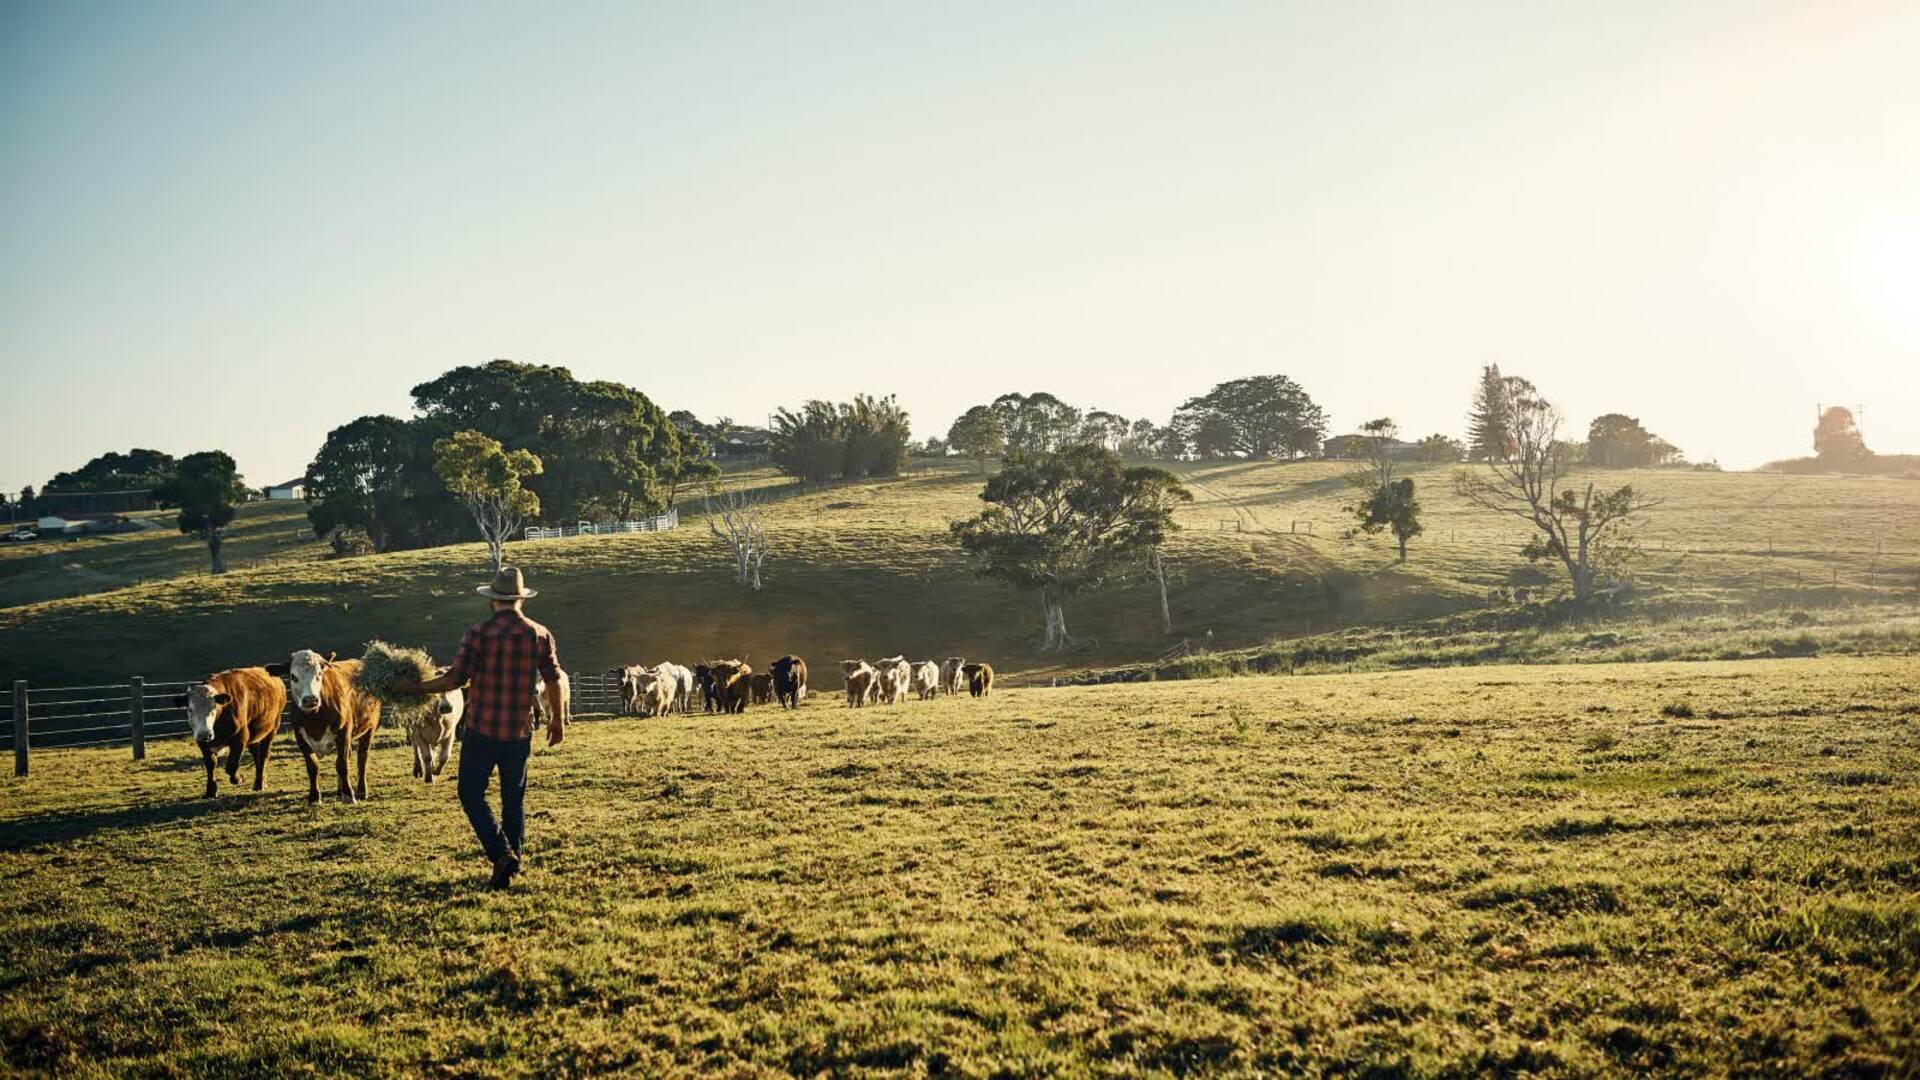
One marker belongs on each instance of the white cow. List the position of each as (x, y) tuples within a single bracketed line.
[(681, 679), (926, 679), (895, 676), (655, 691), (540, 699), (430, 733), (952, 679)]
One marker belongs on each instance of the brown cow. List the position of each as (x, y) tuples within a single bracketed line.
[(790, 681), (732, 684), (329, 715), (979, 679), (762, 683), (239, 707)]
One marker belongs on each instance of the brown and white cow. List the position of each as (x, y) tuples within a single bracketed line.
[(979, 679), (952, 679), (895, 675), (236, 708), (330, 714), (430, 733), (790, 681), (539, 703), (654, 692), (926, 680), (862, 682)]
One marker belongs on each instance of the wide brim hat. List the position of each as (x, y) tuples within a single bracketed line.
[(508, 584)]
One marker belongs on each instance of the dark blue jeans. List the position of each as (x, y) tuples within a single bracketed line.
[(479, 756)]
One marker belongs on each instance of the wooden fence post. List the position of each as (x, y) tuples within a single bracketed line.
[(20, 727), (137, 713)]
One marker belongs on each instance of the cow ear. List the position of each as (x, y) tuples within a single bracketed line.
[(223, 699), (180, 701), (279, 670), (330, 656)]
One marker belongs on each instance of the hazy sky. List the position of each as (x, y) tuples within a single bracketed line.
[(238, 226)]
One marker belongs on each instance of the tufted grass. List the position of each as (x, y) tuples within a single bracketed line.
[(1463, 871)]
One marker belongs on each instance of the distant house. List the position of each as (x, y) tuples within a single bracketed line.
[(1356, 447), (291, 491), (52, 525), (742, 442)]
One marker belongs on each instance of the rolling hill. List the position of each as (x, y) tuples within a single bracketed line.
[(864, 569)]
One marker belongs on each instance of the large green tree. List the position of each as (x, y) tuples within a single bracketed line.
[(206, 486), (867, 436), (374, 477), (1264, 416), (1837, 441), (978, 434), (609, 451), (1058, 524), (1036, 423), (1618, 441)]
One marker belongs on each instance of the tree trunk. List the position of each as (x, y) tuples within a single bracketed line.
[(1057, 638), (216, 537), (1160, 575), (1403, 547), (496, 552)]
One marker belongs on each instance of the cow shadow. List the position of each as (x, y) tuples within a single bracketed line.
[(54, 827)]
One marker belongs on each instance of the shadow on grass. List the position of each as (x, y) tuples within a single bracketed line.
[(37, 830)]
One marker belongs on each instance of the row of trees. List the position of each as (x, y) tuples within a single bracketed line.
[(1261, 417), (1614, 440)]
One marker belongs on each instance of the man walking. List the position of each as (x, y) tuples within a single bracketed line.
[(498, 663)]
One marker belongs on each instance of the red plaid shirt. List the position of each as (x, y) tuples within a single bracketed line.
[(497, 663)]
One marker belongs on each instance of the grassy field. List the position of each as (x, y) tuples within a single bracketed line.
[(1705, 868), (262, 533), (865, 570)]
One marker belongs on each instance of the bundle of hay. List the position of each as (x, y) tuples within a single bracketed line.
[(381, 663)]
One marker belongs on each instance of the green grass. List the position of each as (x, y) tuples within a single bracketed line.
[(1448, 872), (865, 569), (262, 533)]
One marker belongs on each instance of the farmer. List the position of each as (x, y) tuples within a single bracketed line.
[(499, 660)]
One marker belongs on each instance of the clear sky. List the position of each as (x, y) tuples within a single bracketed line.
[(240, 225)]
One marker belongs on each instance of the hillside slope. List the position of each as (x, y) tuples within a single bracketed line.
[(865, 570)]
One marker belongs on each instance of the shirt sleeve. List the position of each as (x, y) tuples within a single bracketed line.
[(462, 669), (547, 658)]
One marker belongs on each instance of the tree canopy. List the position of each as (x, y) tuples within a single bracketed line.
[(491, 481), (1058, 524), (1837, 441), (1264, 416), (205, 487)]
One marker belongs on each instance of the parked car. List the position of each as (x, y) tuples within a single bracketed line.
[(21, 536)]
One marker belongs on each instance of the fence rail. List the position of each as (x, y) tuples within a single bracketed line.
[(50, 718), (666, 521)]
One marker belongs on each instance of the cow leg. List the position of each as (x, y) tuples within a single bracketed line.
[(233, 761), (340, 766), (206, 752), (419, 753), (360, 754), (260, 751), (313, 775)]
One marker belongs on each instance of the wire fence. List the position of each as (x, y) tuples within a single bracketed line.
[(666, 521), (137, 711)]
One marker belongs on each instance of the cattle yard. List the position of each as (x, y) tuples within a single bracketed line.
[(1682, 868)]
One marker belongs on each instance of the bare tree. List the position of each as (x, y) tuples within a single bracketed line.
[(1157, 566), (1580, 527), (739, 521)]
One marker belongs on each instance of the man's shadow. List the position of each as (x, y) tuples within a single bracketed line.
[(54, 827)]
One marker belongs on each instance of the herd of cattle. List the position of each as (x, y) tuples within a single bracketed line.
[(729, 686), (241, 709)]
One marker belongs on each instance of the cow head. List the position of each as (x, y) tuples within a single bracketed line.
[(306, 673), (851, 666), (204, 703)]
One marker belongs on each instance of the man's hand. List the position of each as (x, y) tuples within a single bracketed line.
[(556, 731)]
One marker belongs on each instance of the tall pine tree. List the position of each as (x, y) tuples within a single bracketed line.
[(1488, 423)]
